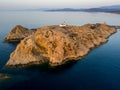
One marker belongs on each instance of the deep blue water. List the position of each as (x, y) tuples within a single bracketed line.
[(100, 70)]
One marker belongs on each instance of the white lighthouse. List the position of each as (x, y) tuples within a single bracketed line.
[(63, 24)]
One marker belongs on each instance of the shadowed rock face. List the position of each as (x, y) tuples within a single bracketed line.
[(18, 33), (56, 45)]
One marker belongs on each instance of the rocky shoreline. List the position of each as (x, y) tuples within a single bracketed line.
[(57, 45)]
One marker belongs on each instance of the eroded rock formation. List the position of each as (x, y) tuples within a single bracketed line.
[(18, 33), (57, 45)]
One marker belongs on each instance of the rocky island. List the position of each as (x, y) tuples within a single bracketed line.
[(56, 45)]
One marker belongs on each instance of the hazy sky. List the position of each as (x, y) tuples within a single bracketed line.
[(29, 4)]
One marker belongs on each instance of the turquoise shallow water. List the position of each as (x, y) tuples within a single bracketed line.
[(100, 70)]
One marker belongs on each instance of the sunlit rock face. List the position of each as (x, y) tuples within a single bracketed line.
[(18, 33), (56, 45)]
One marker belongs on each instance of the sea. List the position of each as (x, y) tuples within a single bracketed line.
[(99, 70)]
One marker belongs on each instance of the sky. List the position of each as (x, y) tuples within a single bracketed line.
[(33, 4)]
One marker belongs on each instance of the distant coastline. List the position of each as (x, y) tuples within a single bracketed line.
[(107, 9)]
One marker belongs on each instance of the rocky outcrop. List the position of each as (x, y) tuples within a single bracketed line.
[(57, 45), (4, 76), (18, 33)]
